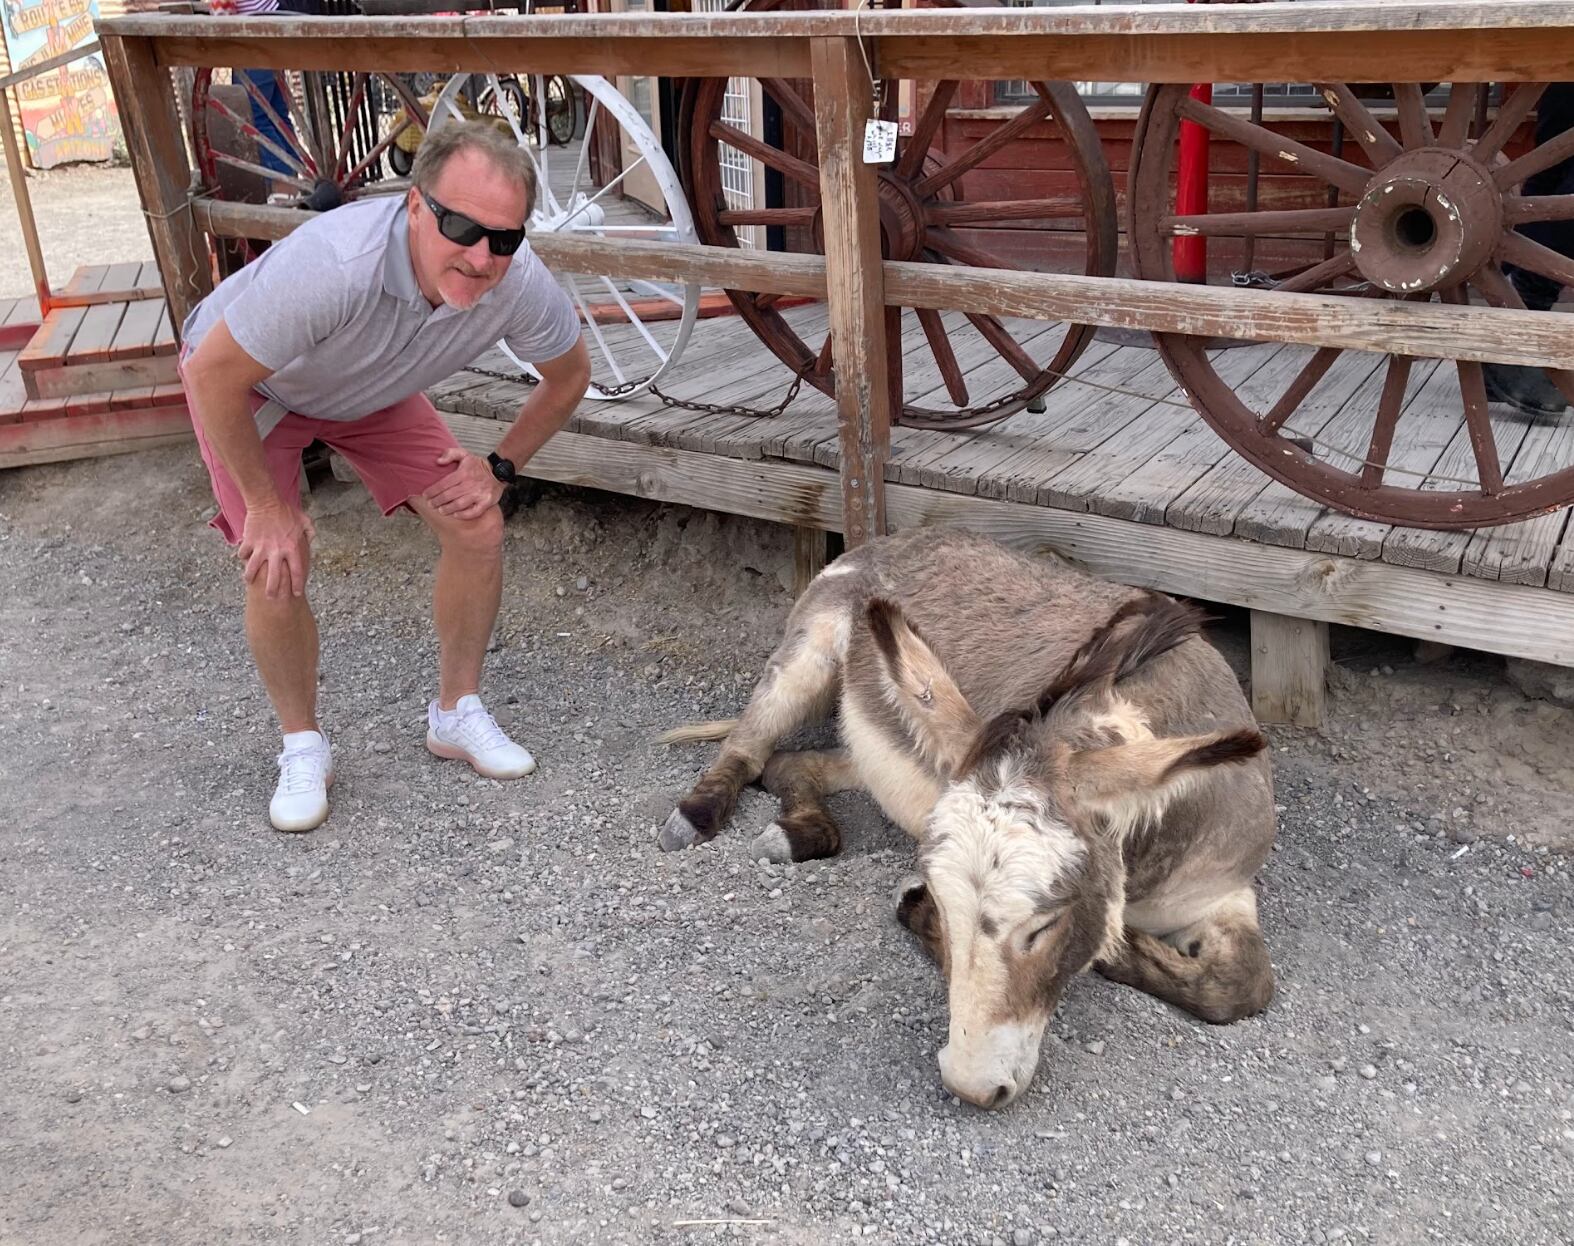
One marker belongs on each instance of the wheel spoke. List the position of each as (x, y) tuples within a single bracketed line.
[(235, 162), (371, 157), (1318, 275), (982, 150), (1523, 252), (291, 136), (342, 148), (998, 336), (584, 148), (1511, 115), (953, 248), (987, 212), (767, 216), (1553, 151), (1256, 224), (1478, 419), (923, 136), (607, 189), (1538, 208), (791, 103), (1388, 408), (595, 329), (1306, 381), (893, 356), (945, 357), (1499, 291), (633, 318), (1415, 127), (789, 166), (822, 362), (262, 140), (1461, 111), (1376, 142), (1337, 172)]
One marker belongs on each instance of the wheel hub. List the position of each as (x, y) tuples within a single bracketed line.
[(901, 221), (1428, 220)]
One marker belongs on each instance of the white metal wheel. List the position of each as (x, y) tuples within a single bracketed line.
[(637, 329)]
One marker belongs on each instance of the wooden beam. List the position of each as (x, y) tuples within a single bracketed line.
[(850, 207), (95, 378), (1289, 669), (1452, 41), (151, 126), (808, 556), (54, 62), (1434, 330), (24, 206), (1487, 615), (93, 436)]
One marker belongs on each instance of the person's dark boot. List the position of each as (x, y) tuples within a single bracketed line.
[(1528, 389)]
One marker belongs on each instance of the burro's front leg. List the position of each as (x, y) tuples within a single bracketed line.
[(800, 683), (1216, 969)]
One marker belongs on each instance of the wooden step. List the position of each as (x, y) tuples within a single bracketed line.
[(17, 407), (122, 343), (19, 320), (96, 434)]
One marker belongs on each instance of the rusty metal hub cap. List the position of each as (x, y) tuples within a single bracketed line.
[(1429, 220)]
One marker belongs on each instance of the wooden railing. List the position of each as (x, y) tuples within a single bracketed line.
[(1443, 40)]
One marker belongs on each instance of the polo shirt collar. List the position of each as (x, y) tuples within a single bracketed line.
[(398, 272)]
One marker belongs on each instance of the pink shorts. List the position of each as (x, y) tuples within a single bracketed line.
[(394, 451)]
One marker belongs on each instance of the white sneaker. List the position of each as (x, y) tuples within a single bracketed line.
[(300, 802), (469, 733)]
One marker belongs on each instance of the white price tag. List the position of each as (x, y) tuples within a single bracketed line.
[(879, 142)]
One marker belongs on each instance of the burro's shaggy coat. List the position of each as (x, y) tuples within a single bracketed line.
[(1079, 767)]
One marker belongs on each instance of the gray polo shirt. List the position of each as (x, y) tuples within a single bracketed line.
[(335, 310)]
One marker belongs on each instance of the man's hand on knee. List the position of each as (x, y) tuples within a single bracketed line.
[(467, 491), (272, 545)]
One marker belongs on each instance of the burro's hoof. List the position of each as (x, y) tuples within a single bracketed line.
[(772, 845), (678, 833)]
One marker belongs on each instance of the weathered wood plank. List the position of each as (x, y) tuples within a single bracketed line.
[(1522, 553), (1479, 614), (1280, 516), (138, 327), (1289, 669), (1215, 501), (96, 335), (93, 436), (13, 394), (1425, 330), (87, 279), (51, 343), (808, 556), (96, 378), (850, 208), (1337, 42), (124, 277)]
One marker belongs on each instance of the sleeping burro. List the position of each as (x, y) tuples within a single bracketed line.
[(1077, 763)]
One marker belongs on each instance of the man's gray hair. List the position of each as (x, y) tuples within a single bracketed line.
[(441, 145)]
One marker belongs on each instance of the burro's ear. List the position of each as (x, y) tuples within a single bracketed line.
[(917, 684), (1129, 782)]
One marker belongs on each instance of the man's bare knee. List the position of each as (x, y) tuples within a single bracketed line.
[(481, 537)]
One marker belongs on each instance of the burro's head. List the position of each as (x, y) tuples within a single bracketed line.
[(1022, 885)]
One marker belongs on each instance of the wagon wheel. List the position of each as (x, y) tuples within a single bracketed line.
[(1419, 212), (331, 148), (562, 117), (935, 207), (635, 330)]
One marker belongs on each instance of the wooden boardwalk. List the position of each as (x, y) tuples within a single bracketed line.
[(1117, 471)]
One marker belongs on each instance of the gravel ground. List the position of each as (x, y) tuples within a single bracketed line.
[(86, 214), (477, 1012)]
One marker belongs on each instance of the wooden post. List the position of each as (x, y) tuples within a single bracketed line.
[(148, 118), (24, 206), (808, 556), (1289, 669), (843, 100)]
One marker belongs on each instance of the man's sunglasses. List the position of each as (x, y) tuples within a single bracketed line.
[(457, 227)]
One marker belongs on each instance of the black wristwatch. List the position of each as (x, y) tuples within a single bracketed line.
[(502, 468)]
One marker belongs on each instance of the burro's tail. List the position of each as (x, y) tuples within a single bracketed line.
[(719, 729)]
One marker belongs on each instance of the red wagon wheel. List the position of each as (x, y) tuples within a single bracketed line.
[(333, 141), (1424, 207), (936, 206)]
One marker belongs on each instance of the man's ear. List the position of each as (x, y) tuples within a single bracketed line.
[(917, 684)]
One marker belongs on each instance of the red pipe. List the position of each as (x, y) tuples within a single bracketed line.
[(1191, 192)]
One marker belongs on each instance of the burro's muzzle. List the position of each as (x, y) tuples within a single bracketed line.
[(989, 1065)]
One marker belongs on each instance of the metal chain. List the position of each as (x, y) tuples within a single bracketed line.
[(707, 408)]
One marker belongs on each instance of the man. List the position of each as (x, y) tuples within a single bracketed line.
[(332, 335)]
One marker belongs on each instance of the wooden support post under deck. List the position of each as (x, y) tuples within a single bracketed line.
[(1289, 669), (849, 198), (808, 556), (148, 118)]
